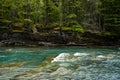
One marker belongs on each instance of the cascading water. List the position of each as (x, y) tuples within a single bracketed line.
[(65, 63)]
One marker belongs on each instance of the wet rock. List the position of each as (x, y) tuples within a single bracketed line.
[(12, 43), (5, 36), (61, 71), (3, 43), (76, 44), (45, 44), (17, 36), (71, 43)]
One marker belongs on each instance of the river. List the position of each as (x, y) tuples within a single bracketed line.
[(59, 63)]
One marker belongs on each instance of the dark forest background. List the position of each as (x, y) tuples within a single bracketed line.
[(60, 21)]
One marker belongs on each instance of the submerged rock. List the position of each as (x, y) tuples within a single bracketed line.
[(12, 64), (8, 50), (61, 71)]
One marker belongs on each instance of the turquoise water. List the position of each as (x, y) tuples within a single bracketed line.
[(60, 63)]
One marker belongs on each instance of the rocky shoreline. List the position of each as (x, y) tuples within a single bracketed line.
[(30, 39), (18, 43)]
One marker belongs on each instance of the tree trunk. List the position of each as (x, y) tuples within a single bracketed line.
[(46, 20), (61, 15), (37, 11)]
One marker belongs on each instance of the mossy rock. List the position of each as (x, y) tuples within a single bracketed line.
[(18, 24), (12, 64), (17, 31), (38, 25), (4, 27)]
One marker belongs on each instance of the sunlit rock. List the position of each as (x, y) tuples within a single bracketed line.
[(63, 57), (77, 54)]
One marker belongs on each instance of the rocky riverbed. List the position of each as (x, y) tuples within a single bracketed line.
[(65, 63)]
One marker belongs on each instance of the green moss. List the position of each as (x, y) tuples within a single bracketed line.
[(74, 29), (12, 64), (17, 31), (4, 27), (37, 25), (107, 33)]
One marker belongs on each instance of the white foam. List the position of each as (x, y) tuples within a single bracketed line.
[(61, 57), (77, 54), (101, 56)]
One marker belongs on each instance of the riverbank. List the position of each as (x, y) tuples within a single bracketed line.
[(54, 39), (18, 43)]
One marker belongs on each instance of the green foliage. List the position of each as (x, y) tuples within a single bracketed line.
[(5, 21), (71, 16), (75, 15), (74, 29), (110, 14)]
